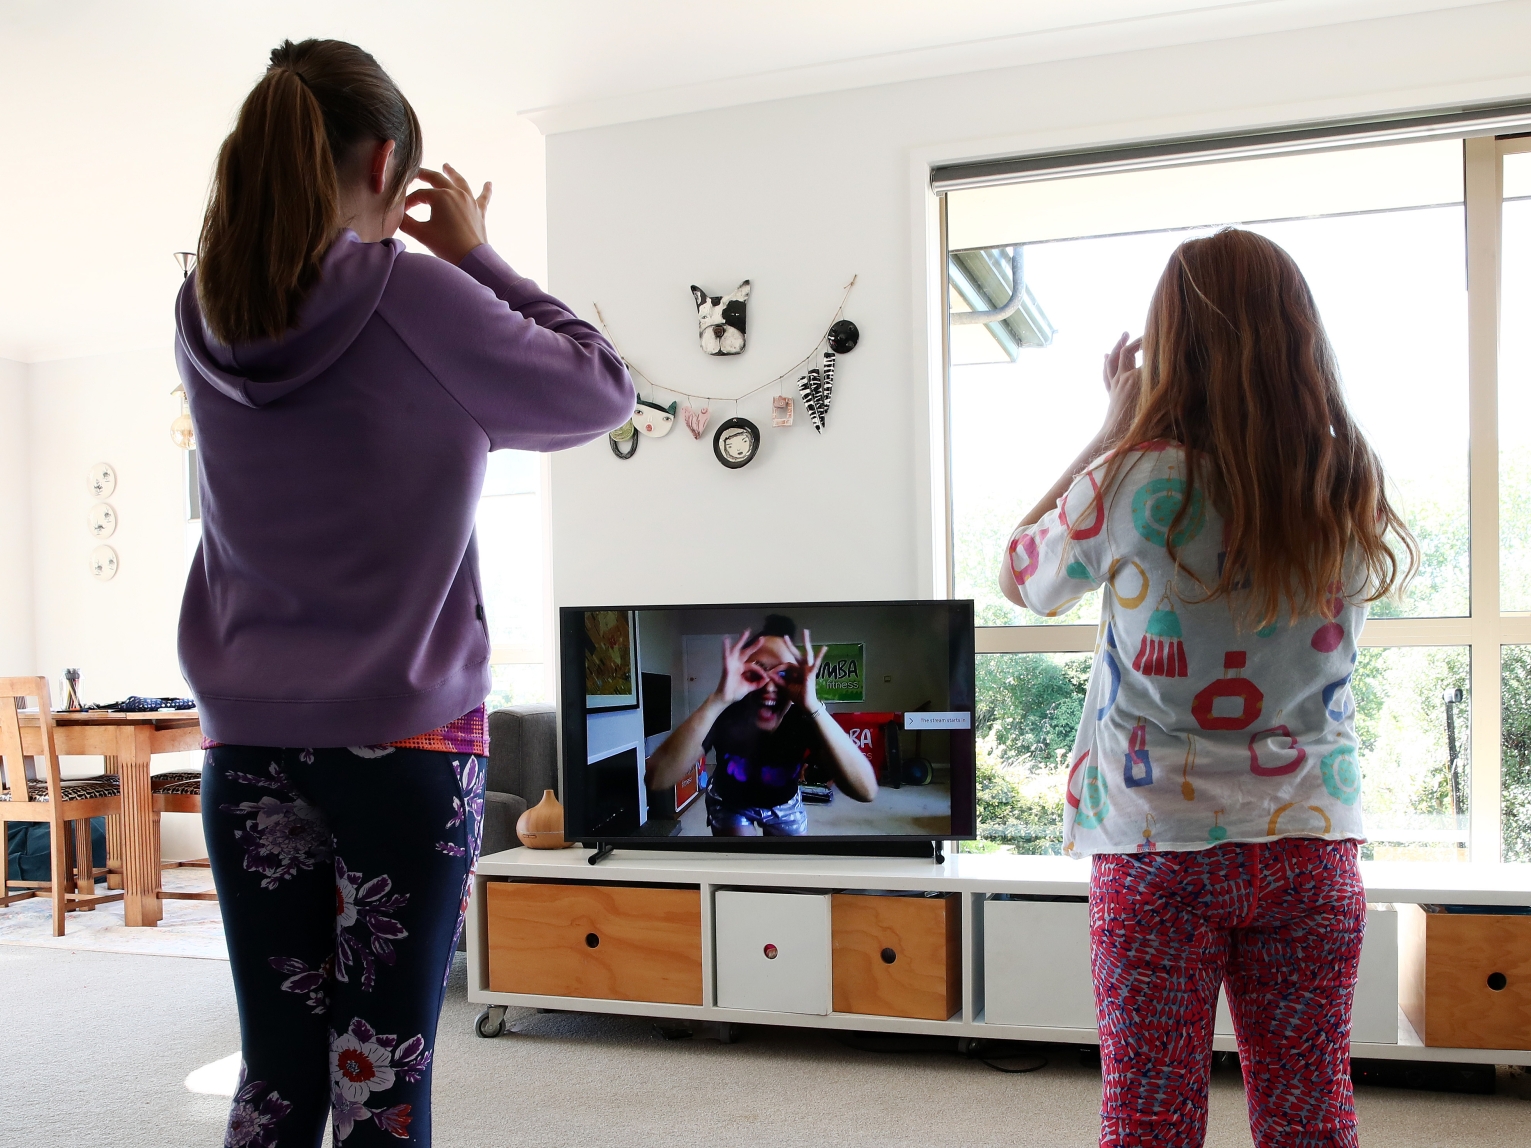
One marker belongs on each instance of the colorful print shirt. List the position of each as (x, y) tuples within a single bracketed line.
[(1194, 731)]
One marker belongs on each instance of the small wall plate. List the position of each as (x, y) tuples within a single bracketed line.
[(102, 520), (103, 563), (103, 480), (736, 443)]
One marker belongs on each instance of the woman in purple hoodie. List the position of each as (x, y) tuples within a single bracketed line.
[(346, 394)]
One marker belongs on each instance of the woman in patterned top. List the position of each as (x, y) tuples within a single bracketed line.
[(1237, 520)]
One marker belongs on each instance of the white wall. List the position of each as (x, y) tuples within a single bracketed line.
[(16, 647), (120, 634), (798, 195)]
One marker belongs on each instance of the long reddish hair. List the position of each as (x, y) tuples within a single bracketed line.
[(1238, 370)]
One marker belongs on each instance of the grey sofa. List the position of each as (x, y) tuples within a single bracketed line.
[(523, 761)]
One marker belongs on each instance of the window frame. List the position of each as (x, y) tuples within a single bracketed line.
[(1486, 628)]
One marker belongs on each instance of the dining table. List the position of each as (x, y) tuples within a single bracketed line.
[(127, 742)]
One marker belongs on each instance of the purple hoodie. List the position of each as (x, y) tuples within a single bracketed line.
[(335, 598)]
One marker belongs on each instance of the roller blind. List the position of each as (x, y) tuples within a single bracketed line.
[(1485, 119)]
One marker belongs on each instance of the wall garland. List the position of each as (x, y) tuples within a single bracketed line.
[(738, 439)]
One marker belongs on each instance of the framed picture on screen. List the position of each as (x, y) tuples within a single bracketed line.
[(611, 660)]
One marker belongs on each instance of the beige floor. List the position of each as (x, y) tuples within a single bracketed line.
[(99, 1045)]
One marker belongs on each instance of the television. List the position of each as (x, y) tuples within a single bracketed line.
[(842, 727)]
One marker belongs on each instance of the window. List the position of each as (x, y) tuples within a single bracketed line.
[(1403, 246), (511, 565)]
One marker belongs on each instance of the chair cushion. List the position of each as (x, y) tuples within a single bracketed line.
[(182, 781), (85, 789)]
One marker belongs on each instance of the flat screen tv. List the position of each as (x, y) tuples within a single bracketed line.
[(716, 726)]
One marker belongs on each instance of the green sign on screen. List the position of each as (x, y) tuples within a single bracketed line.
[(842, 673)]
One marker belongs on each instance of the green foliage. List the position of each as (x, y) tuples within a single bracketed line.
[(1017, 807), (1515, 789), (1029, 706)]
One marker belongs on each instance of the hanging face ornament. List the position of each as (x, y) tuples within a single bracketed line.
[(652, 419), (720, 319), (736, 443)]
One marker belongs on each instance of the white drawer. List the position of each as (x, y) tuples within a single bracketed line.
[(1374, 1018), (773, 951), (1036, 960)]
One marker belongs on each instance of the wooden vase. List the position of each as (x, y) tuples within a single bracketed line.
[(541, 826)]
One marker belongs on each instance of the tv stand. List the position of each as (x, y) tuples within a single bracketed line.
[(1000, 942), (600, 853)]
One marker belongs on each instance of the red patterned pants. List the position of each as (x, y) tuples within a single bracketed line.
[(1281, 925)]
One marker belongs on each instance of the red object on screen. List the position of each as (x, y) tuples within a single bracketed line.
[(870, 733)]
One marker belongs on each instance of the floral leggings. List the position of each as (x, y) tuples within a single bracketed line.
[(342, 875), (1280, 924)]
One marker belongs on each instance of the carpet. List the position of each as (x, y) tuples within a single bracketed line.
[(188, 929), (108, 1041)]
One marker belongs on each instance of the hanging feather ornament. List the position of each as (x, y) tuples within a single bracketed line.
[(829, 385), (1161, 653), (809, 386)]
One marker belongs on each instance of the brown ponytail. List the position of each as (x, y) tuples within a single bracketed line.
[(275, 203)]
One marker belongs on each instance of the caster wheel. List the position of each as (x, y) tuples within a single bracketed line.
[(728, 1033), (490, 1022)]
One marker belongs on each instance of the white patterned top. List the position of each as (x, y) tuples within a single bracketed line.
[(1194, 731)]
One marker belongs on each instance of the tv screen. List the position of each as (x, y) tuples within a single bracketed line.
[(770, 722)]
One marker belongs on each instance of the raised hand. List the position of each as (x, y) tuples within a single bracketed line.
[(740, 677), (456, 225), (799, 677), (1121, 375)]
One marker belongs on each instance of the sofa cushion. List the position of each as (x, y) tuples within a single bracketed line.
[(523, 751), (501, 812)]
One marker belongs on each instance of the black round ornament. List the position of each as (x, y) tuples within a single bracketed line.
[(843, 337), (736, 443)]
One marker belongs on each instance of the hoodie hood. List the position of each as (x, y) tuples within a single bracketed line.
[(351, 283)]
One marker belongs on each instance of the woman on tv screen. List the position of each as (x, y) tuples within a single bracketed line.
[(766, 724)]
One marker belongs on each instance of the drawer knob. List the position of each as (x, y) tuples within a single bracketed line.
[(889, 956), (1497, 981), (770, 952), (592, 940)]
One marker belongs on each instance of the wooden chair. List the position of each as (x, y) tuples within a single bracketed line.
[(52, 800), (179, 791)]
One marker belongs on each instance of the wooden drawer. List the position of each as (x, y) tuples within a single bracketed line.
[(1465, 978), (602, 941), (897, 956)]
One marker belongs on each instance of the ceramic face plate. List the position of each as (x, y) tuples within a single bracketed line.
[(653, 420), (736, 443)]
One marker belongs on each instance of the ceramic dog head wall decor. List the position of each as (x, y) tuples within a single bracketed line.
[(720, 319)]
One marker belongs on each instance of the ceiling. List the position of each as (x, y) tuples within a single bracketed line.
[(116, 108)]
